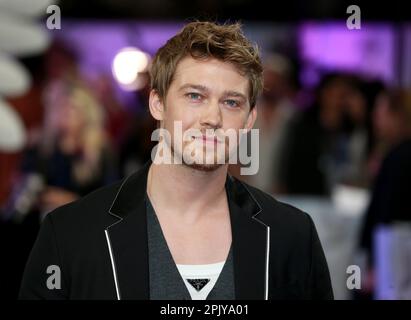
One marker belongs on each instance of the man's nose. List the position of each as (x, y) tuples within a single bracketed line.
[(211, 116)]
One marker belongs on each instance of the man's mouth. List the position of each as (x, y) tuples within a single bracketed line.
[(209, 139)]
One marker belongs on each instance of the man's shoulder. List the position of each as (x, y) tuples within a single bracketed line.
[(278, 214), (88, 210)]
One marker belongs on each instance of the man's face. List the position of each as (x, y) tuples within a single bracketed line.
[(209, 96)]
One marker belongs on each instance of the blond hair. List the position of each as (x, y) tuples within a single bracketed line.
[(203, 40), (92, 140)]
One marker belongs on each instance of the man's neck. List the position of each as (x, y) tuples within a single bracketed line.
[(186, 191)]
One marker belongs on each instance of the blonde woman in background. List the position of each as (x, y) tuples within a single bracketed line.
[(72, 156)]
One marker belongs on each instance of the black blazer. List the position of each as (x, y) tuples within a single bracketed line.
[(100, 245)]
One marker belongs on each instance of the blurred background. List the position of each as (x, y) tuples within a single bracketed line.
[(334, 119)]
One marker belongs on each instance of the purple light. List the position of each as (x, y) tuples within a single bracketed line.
[(97, 43), (332, 46)]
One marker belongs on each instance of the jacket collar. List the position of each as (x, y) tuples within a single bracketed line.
[(133, 190), (127, 239)]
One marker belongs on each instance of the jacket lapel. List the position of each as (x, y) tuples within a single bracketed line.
[(128, 238), (250, 236)]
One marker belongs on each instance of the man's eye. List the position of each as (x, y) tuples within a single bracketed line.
[(193, 96), (232, 103)]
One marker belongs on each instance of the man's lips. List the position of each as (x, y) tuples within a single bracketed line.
[(208, 139)]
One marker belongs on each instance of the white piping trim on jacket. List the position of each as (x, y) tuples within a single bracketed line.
[(267, 253), (113, 265), (267, 258), (267, 265)]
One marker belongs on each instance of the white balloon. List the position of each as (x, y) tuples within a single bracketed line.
[(21, 37), (33, 8), (12, 131), (14, 79)]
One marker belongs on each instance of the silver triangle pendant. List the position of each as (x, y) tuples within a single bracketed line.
[(198, 284)]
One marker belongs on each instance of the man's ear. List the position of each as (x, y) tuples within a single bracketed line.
[(156, 105), (252, 116)]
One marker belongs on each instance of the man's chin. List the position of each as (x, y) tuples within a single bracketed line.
[(201, 162)]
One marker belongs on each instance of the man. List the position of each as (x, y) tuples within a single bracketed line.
[(185, 230)]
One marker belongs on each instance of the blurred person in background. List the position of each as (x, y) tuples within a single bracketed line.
[(391, 193), (357, 136), (71, 156), (312, 136), (327, 144), (276, 109), (67, 155), (390, 125)]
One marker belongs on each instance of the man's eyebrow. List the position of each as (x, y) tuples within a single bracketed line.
[(199, 87), (230, 93), (194, 86)]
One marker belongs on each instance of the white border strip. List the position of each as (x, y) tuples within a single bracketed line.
[(113, 265)]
